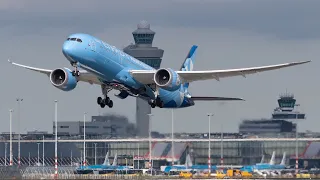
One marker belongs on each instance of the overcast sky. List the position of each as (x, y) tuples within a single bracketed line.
[(229, 33)]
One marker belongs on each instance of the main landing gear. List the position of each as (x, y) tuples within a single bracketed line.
[(156, 102), (75, 72), (106, 101), (103, 102)]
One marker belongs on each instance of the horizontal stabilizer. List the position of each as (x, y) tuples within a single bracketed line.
[(202, 98)]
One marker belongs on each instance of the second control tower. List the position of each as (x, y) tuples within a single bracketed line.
[(143, 51)]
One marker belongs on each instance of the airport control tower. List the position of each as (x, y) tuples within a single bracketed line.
[(143, 50), (286, 110)]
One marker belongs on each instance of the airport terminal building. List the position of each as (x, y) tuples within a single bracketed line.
[(116, 135), (242, 151)]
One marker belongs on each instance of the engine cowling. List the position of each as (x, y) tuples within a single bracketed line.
[(62, 79), (167, 79)]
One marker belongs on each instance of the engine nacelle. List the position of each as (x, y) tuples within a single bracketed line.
[(167, 79), (62, 79)]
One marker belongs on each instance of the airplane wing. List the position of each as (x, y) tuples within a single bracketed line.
[(85, 76), (146, 76)]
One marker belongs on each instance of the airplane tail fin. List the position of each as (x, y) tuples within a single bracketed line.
[(189, 60), (188, 63), (115, 160), (283, 161), (262, 159), (188, 163), (106, 160), (272, 160)]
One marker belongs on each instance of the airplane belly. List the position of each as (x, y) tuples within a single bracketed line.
[(174, 99)]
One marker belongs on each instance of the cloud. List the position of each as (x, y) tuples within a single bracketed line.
[(288, 19)]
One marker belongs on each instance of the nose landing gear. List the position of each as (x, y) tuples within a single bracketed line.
[(75, 72)]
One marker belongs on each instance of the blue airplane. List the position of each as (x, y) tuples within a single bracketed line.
[(188, 166), (112, 69), (100, 167), (262, 167), (106, 164), (91, 168)]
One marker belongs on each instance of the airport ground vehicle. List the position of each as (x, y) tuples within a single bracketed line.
[(238, 173), (220, 175), (185, 174), (303, 175)]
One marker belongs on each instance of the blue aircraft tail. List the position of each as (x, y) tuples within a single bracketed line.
[(188, 63), (188, 66)]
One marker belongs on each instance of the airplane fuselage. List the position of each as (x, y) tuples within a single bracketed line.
[(263, 167), (112, 66), (193, 167)]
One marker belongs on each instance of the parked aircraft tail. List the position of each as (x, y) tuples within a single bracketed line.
[(106, 160), (115, 160), (188, 163), (283, 161), (272, 160), (262, 159)]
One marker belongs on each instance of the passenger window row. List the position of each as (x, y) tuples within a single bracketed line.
[(74, 39)]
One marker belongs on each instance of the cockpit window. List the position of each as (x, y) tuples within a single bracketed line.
[(74, 39)]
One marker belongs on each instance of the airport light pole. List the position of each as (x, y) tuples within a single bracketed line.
[(71, 158), (126, 165), (297, 158), (221, 158), (95, 153), (38, 154), (42, 150), (138, 155), (133, 159), (81, 159), (172, 134), (209, 146), (84, 139), (5, 154), (10, 136), (19, 100), (29, 159), (150, 150), (56, 141)]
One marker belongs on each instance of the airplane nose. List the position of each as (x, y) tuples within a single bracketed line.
[(67, 49)]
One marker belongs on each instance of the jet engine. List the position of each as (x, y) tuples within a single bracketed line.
[(167, 79), (63, 79)]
